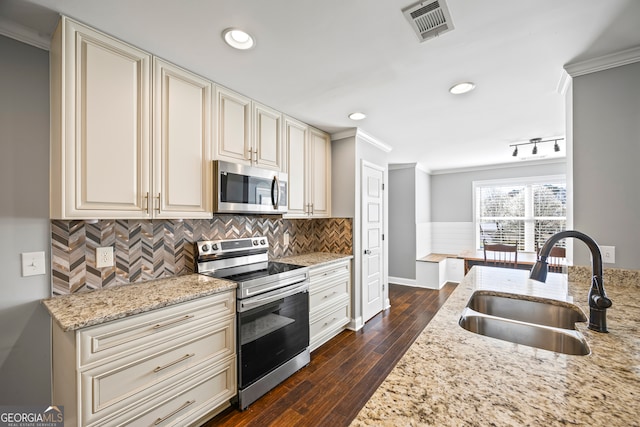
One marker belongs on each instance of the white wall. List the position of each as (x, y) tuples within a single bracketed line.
[(25, 346), (402, 222), (452, 227), (606, 162), (347, 154)]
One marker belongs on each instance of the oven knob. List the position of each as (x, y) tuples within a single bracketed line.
[(255, 243), (215, 247), (205, 248), (262, 242)]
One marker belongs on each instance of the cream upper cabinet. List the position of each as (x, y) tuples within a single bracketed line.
[(100, 125), (182, 143), (267, 137), (105, 160), (296, 146), (233, 127), (308, 161), (319, 173), (248, 132)]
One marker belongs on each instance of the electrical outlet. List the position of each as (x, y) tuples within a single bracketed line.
[(104, 257), (286, 239), (608, 254)]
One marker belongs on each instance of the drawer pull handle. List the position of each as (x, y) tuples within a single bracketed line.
[(182, 359), (166, 417), (182, 319)]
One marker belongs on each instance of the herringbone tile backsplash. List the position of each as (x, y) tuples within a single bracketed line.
[(146, 250)]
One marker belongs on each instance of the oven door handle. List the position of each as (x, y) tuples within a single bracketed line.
[(257, 301)]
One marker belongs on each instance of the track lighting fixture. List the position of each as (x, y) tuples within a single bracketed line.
[(535, 142)]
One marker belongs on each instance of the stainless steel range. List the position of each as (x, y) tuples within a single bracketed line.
[(272, 311)]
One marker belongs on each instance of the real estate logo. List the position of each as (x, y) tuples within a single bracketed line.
[(31, 416)]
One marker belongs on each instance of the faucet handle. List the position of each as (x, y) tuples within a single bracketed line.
[(601, 301)]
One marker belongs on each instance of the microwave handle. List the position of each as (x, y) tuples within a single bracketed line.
[(275, 196)]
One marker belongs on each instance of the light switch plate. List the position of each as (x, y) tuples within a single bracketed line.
[(33, 264), (608, 254)]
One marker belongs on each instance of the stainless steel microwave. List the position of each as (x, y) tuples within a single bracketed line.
[(248, 189)]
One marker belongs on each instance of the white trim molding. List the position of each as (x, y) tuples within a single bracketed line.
[(605, 62), (24, 34), (364, 136), (403, 281)]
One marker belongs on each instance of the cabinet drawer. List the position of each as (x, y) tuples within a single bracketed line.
[(202, 392), (133, 334), (329, 320), (327, 273), (124, 382), (329, 293)]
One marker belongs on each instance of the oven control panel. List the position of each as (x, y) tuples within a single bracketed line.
[(217, 247)]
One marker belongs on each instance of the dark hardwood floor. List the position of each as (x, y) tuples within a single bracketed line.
[(346, 371)]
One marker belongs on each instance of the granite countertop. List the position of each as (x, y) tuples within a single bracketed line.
[(453, 377), (314, 259), (84, 309)]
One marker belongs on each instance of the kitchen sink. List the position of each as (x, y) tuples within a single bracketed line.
[(566, 341), (557, 314)]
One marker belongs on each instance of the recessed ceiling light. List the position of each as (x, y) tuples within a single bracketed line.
[(461, 88), (238, 39), (357, 116)]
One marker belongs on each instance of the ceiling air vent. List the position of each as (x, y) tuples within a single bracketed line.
[(429, 18)]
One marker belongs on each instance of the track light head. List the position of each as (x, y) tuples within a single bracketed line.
[(535, 142)]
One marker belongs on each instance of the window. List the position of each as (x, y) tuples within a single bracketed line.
[(527, 211)]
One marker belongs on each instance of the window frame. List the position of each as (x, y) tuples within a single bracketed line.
[(528, 182)]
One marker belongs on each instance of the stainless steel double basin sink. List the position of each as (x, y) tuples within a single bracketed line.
[(545, 324)]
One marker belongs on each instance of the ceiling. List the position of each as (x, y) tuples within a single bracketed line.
[(318, 61)]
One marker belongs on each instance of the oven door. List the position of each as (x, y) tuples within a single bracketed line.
[(247, 189), (272, 329)]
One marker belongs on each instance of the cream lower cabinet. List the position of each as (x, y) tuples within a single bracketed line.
[(308, 161), (106, 162), (175, 366), (329, 301)]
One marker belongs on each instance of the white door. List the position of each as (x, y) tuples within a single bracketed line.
[(372, 251)]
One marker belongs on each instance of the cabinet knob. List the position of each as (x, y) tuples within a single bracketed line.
[(367, 252)]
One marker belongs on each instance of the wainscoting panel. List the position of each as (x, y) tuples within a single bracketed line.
[(152, 249)]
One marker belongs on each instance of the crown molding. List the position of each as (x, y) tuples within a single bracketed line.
[(601, 63), (563, 83), (416, 166), (24, 34), (500, 166), (357, 132)]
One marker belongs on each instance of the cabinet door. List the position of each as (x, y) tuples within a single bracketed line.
[(267, 140), (320, 173), (233, 127), (181, 143), (296, 149), (104, 129)]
